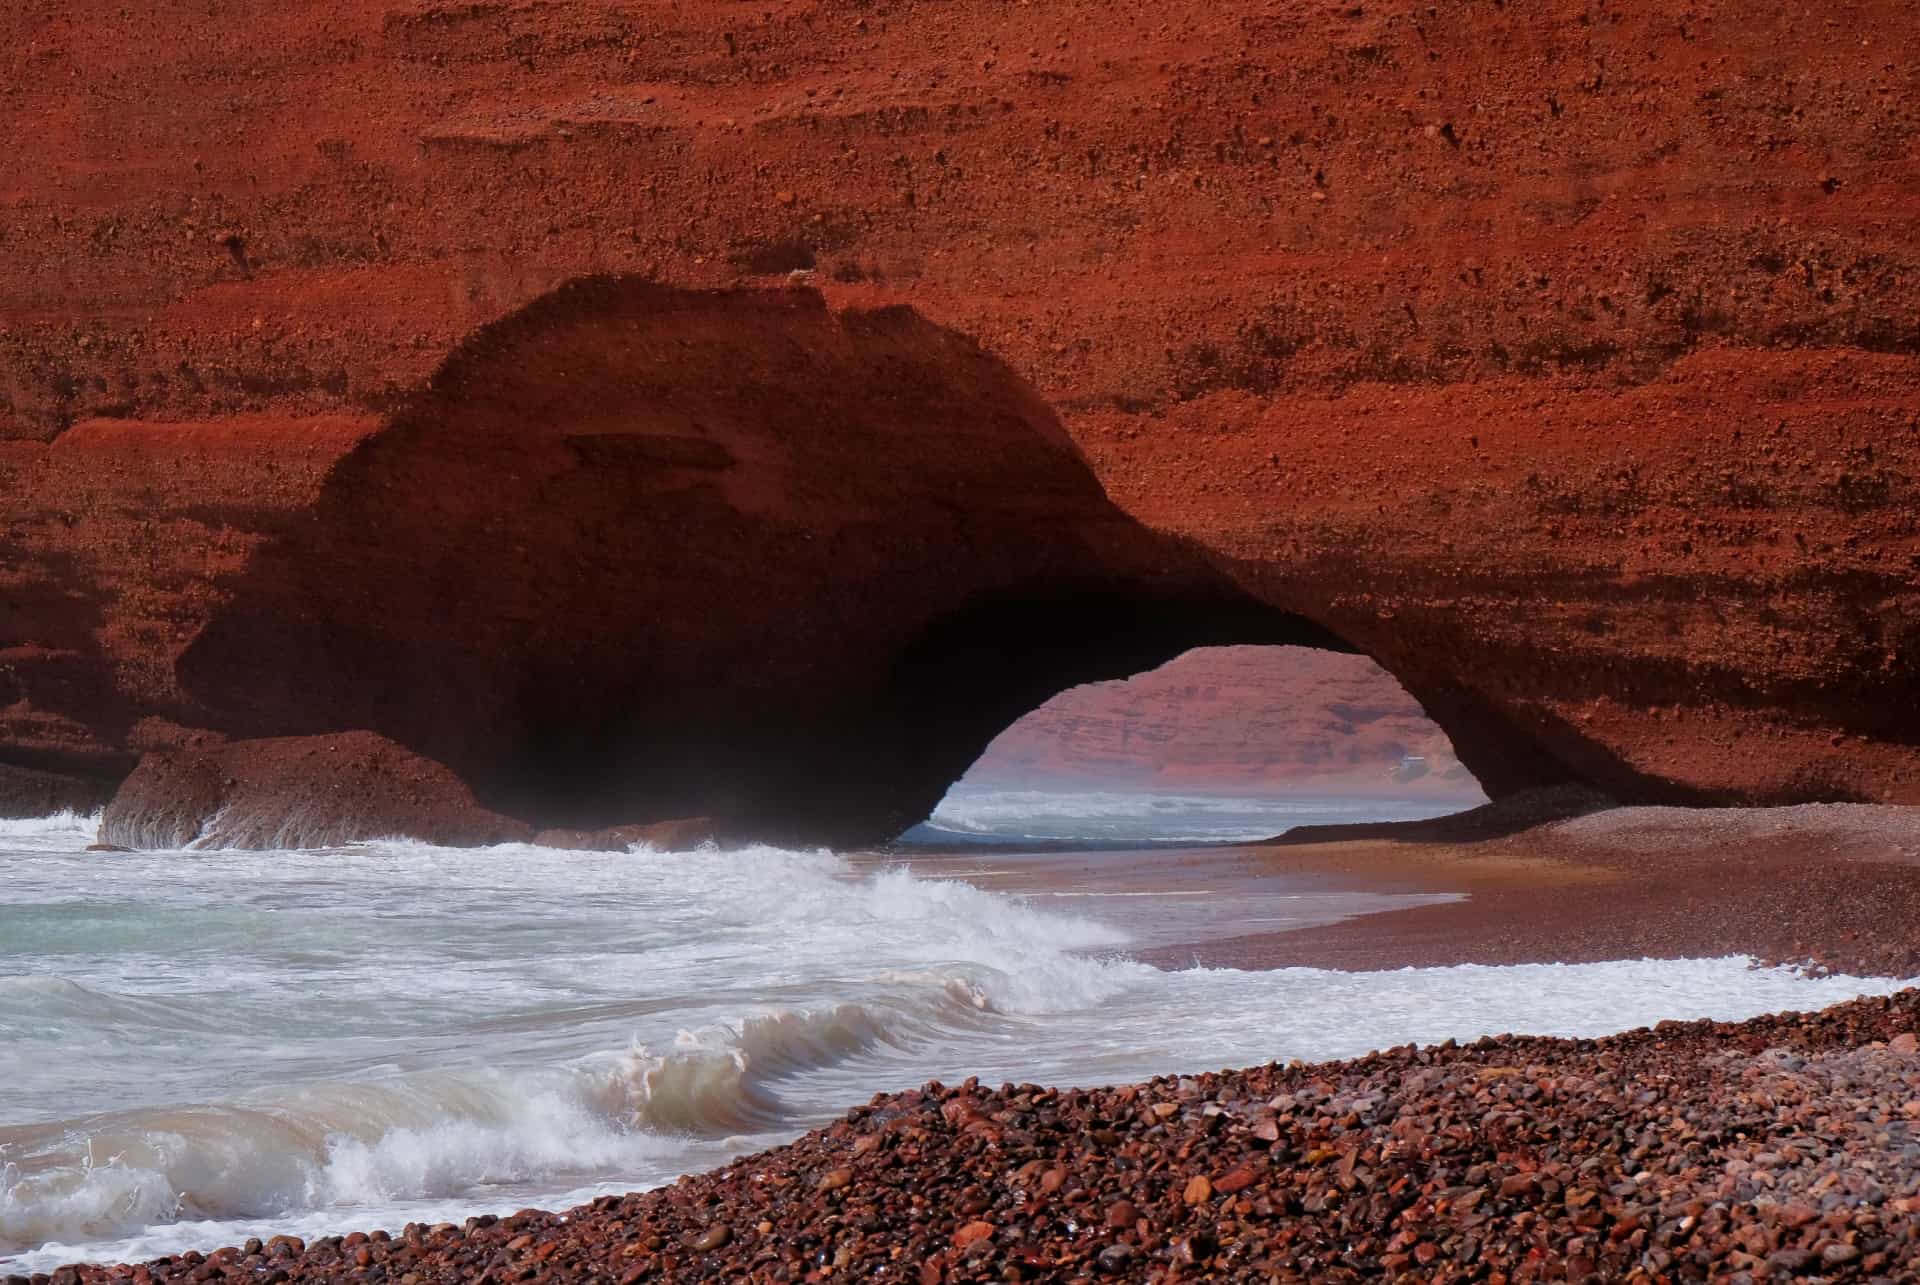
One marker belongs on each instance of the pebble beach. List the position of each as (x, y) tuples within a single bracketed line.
[(1782, 1148)]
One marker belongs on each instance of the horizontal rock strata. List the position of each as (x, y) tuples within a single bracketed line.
[(1566, 362), (637, 553)]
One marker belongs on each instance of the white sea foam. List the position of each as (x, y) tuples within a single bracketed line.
[(204, 1046), (989, 814), (66, 825), (367, 1147)]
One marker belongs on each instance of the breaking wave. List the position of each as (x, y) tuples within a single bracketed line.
[(371, 1145), (199, 1047), (270, 827), (60, 825), (935, 965)]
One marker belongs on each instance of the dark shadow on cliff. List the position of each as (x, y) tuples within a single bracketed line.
[(639, 553)]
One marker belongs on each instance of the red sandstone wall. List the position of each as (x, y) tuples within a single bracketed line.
[(117, 543), (1565, 356)]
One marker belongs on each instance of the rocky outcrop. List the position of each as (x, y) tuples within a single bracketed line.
[(1567, 362), (298, 792), (643, 553)]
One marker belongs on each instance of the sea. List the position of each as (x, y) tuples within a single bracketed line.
[(201, 1046)]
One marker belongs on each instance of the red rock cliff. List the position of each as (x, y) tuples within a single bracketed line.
[(1247, 720), (1565, 357)]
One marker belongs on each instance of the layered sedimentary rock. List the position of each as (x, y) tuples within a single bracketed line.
[(118, 538), (1564, 358)]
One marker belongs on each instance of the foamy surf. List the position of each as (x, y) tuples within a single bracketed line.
[(61, 827), (203, 1046), (331, 1146), (389, 1143), (997, 816)]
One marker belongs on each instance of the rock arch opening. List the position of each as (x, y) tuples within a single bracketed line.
[(978, 670), (1219, 744)]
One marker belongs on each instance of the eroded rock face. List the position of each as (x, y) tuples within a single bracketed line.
[(116, 542), (645, 553), (1568, 364), (635, 553), (298, 792), (639, 553)]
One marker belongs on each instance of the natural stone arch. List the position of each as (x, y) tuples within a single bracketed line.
[(640, 553)]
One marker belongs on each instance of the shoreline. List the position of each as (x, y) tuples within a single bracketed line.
[(1835, 887), (1042, 1170), (1779, 1147)]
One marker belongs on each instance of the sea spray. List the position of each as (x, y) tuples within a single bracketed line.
[(60, 829)]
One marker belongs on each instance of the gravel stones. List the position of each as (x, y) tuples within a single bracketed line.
[(1782, 1148)]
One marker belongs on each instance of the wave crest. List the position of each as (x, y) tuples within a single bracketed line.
[(345, 1145), (65, 824)]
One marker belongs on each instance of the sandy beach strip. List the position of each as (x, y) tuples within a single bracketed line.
[(1836, 886)]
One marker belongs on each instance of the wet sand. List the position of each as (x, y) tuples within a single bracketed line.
[(1179, 901), (1557, 876), (1567, 879)]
